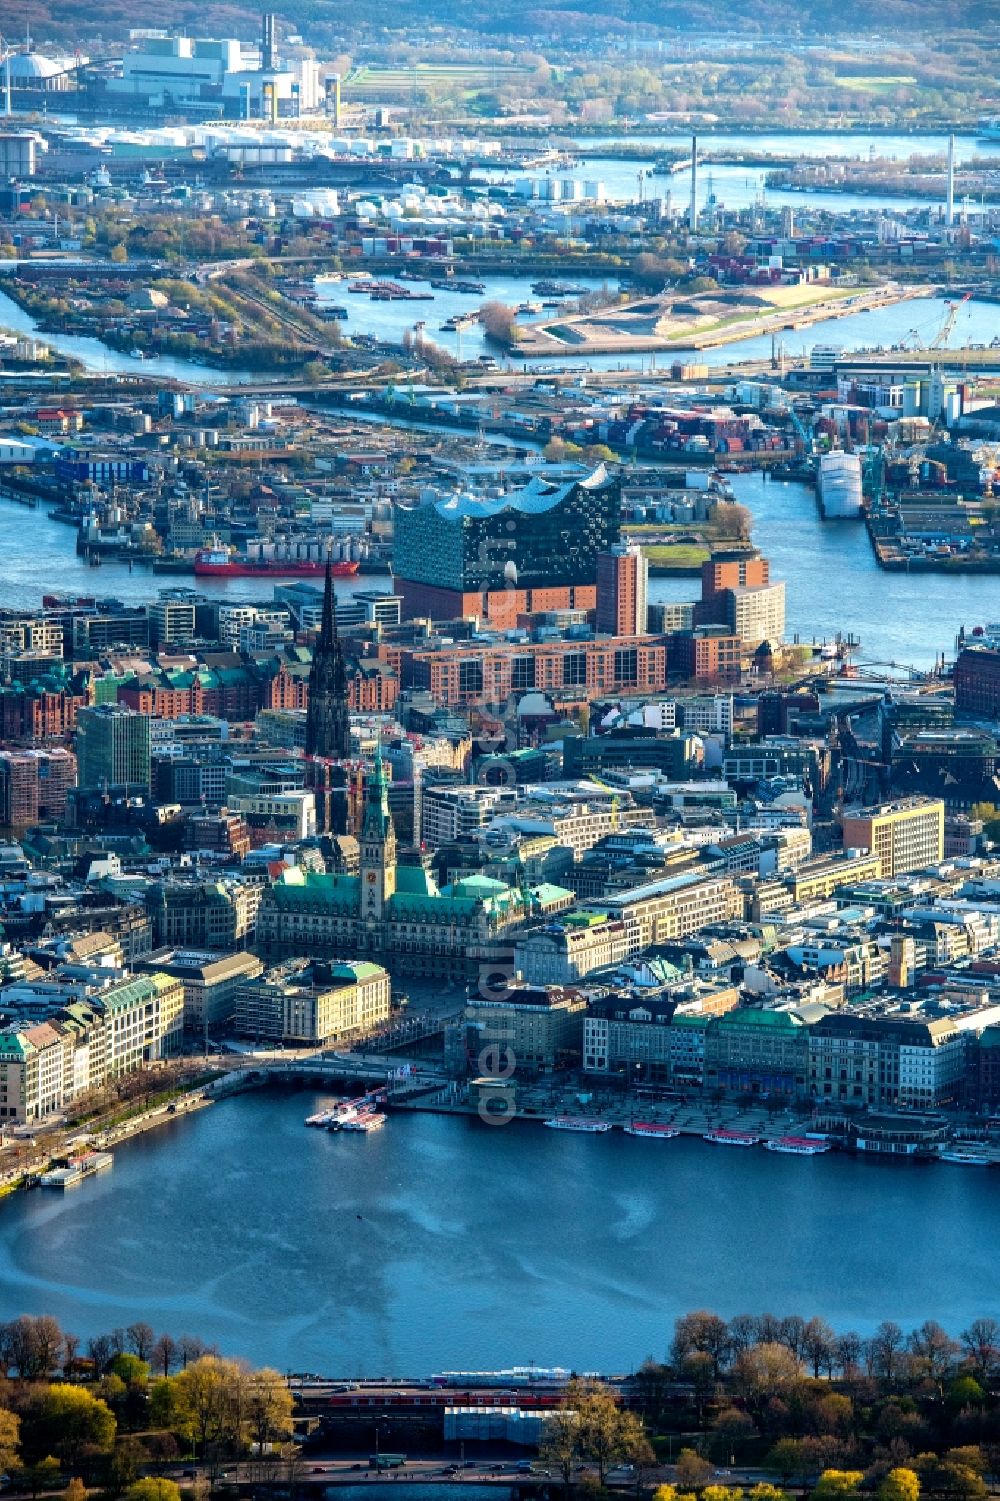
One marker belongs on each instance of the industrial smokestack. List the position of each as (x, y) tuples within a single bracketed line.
[(950, 211), (693, 216), (267, 50)]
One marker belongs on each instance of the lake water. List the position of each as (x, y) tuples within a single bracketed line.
[(441, 1242)]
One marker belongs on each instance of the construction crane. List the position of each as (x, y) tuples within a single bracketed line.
[(943, 334)]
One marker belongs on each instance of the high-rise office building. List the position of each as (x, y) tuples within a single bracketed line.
[(112, 747), (905, 835)]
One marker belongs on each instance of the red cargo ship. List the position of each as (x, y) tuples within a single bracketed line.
[(215, 562)]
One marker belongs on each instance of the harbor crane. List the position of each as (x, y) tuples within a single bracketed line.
[(804, 436), (943, 334)]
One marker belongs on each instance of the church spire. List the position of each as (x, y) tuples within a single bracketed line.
[(328, 731)]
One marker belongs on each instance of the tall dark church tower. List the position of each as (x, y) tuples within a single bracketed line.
[(328, 729)]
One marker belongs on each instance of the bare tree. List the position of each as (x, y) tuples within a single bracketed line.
[(164, 1354), (140, 1338)]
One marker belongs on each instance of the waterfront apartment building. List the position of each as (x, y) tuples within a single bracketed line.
[(658, 1041), (757, 1051), (673, 907), (306, 1003), (541, 1025), (44, 1067), (757, 615), (904, 835), (887, 1061), (171, 618), (570, 670), (708, 654), (622, 590)]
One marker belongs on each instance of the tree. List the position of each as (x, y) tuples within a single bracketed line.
[(560, 1446), (732, 520), (75, 1491), (163, 1355), (500, 322), (818, 1341), (732, 1427), (153, 1488), (765, 1492), (787, 1458), (607, 1434), (704, 1332), (899, 1485), (949, 1479), (140, 1338), (123, 1468), (43, 1476), (692, 1471), (934, 1348), (269, 1405), (130, 1369), (209, 1396), (981, 1341), (882, 1351), (837, 1485), (10, 1438), (765, 1372), (119, 255), (32, 1346), (67, 1421)]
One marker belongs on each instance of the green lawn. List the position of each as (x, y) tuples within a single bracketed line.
[(875, 85), (686, 556)]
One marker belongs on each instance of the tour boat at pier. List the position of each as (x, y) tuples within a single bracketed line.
[(732, 1138), (217, 562), (651, 1128), (967, 1159), (798, 1146), (576, 1123), (370, 1120), (79, 1168)]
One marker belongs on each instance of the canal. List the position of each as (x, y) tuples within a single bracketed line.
[(442, 1242)]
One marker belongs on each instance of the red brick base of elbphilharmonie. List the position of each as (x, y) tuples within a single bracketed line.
[(501, 608)]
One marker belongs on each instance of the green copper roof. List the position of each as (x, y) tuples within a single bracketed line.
[(750, 1016)]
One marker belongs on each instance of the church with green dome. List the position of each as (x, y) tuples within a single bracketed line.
[(396, 913)]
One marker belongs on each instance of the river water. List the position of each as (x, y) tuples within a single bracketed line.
[(441, 1242)]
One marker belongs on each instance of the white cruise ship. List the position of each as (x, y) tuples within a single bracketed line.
[(839, 482)]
